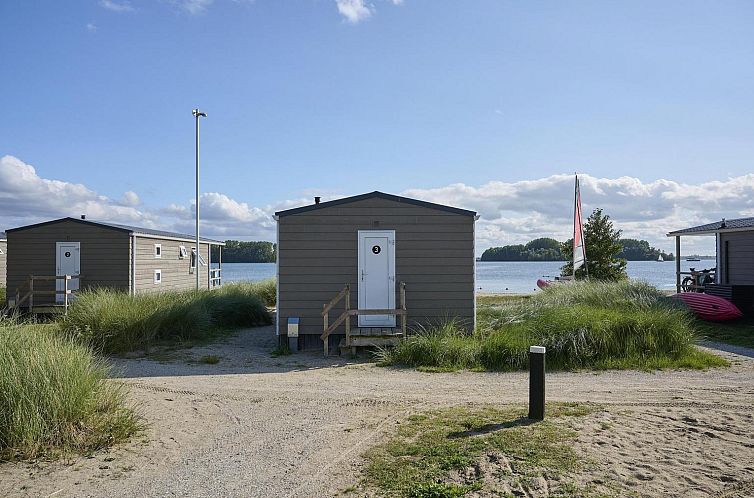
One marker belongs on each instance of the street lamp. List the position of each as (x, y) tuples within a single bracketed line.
[(197, 114)]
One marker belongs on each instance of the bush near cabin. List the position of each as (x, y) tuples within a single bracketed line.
[(116, 322), (583, 325)]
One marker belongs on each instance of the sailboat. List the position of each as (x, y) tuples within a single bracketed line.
[(660, 259), (579, 248)]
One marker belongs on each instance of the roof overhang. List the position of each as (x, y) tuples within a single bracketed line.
[(681, 233), (372, 195)]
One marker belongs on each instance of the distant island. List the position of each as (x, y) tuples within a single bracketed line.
[(547, 249), (237, 251)]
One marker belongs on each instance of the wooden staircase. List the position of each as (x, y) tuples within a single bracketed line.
[(363, 336), (26, 292)]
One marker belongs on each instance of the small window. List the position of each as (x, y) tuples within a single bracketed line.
[(158, 276), (158, 251), (182, 252)]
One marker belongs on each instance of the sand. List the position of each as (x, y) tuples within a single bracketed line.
[(295, 426)]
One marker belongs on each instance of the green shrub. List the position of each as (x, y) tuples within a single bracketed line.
[(117, 322), (582, 325), (266, 290), (55, 396)]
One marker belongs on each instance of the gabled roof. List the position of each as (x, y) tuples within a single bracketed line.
[(378, 195), (737, 225), (132, 230)]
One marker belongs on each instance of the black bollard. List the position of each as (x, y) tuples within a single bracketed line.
[(537, 382)]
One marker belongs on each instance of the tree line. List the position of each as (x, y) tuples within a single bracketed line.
[(237, 251), (547, 249)]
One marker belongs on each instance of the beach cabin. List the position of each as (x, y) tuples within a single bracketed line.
[(49, 261), (365, 270), (734, 277), (3, 258)]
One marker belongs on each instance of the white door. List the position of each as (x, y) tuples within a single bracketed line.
[(67, 262), (376, 276)]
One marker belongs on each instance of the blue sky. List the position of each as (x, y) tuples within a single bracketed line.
[(459, 102)]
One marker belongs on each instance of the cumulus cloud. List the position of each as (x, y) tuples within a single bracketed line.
[(516, 212), (355, 11), (194, 7), (510, 212), (25, 197), (115, 6), (130, 199)]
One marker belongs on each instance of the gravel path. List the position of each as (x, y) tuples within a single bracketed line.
[(253, 425)]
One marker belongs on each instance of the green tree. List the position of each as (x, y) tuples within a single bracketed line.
[(602, 242), (236, 251)]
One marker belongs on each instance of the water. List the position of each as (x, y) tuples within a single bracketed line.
[(503, 276)]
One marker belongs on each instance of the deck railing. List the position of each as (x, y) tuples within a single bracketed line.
[(348, 313), (215, 278), (26, 292)]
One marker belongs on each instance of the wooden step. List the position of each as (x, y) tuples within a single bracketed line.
[(369, 341)]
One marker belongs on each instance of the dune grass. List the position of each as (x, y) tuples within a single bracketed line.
[(55, 397), (738, 332), (266, 290), (2, 297), (115, 322), (582, 325)]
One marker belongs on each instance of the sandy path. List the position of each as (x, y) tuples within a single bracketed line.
[(253, 425)]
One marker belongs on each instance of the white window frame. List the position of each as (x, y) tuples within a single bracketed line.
[(157, 277), (182, 252), (158, 251)]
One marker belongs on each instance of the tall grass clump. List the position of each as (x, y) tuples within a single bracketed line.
[(583, 325), (117, 322), (55, 397), (266, 290)]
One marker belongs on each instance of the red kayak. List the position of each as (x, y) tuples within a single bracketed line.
[(708, 307), (543, 284)]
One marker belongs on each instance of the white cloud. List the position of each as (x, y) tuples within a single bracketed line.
[(91, 27), (25, 197), (510, 212), (194, 7), (354, 10), (130, 199), (516, 212), (118, 7)]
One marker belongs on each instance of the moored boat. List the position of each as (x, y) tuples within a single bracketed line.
[(709, 307)]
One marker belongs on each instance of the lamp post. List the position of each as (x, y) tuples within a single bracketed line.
[(197, 114)]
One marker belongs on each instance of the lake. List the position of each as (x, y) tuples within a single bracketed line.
[(503, 276)]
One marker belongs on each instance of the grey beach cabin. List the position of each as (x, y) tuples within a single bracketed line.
[(734, 243), (97, 254), (3, 258), (374, 251)]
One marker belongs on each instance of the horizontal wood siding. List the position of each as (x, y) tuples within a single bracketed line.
[(176, 272), (104, 256), (317, 256), (740, 257), (3, 263)]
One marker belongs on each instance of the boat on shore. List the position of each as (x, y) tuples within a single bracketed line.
[(709, 307)]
